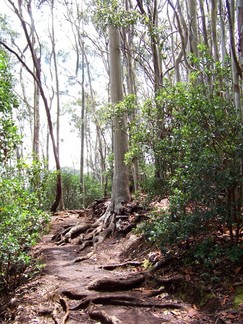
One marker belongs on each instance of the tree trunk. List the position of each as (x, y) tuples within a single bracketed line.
[(203, 19), (53, 38), (236, 69), (128, 39), (82, 127), (120, 185), (214, 30), (240, 30), (192, 21)]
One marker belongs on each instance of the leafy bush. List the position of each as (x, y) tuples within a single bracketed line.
[(92, 189), (9, 137), (202, 152), (207, 181), (21, 223)]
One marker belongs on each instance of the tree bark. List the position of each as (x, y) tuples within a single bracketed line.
[(235, 66), (120, 185), (53, 38)]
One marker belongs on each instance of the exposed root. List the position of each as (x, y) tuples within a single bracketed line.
[(121, 265), (121, 218), (66, 235), (103, 317), (58, 304), (109, 284), (123, 300), (65, 307)]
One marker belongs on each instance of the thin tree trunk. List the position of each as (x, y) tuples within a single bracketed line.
[(214, 11), (62, 207), (82, 127), (193, 32), (240, 33), (236, 69), (203, 19)]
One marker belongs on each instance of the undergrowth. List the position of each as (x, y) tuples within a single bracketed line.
[(21, 224)]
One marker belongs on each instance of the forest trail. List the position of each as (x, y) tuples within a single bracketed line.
[(60, 293)]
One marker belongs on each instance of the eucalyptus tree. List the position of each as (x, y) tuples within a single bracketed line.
[(23, 11), (192, 27), (240, 31), (52, 34), (235, 66), (128, 35), (84, 46), (120, 184), (75, 16)]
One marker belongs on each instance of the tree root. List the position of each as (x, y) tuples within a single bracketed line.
[(66, 235), (54, 311), (103, 317), (99, 234), (120, 265), (123, 300), (108, 284), (65, 307), (120, 217)]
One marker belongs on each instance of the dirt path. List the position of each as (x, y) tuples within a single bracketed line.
[(51, 296)]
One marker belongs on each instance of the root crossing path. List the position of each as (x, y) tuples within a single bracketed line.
[(109, 287)]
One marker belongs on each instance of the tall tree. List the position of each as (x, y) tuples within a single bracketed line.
[(57, 89), (240, 30), (120, 184), (235, 66), (37, 78)]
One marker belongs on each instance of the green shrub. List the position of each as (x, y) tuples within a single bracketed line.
[(21, 223), (92, 189), (202, 148), (72, 195)]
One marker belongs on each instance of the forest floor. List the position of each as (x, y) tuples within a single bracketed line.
[(112, 286)]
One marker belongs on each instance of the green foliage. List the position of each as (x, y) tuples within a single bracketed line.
[(111, 13), (127, 106), (201, 150), (92, 189), (207, 145), (71, 189), (8, 131), (235, 253), (207, 253), (159, 229), (21, 223)]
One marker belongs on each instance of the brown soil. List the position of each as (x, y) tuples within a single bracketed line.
[(55, 294)]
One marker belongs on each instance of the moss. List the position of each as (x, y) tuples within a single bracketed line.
[(238, 297)]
